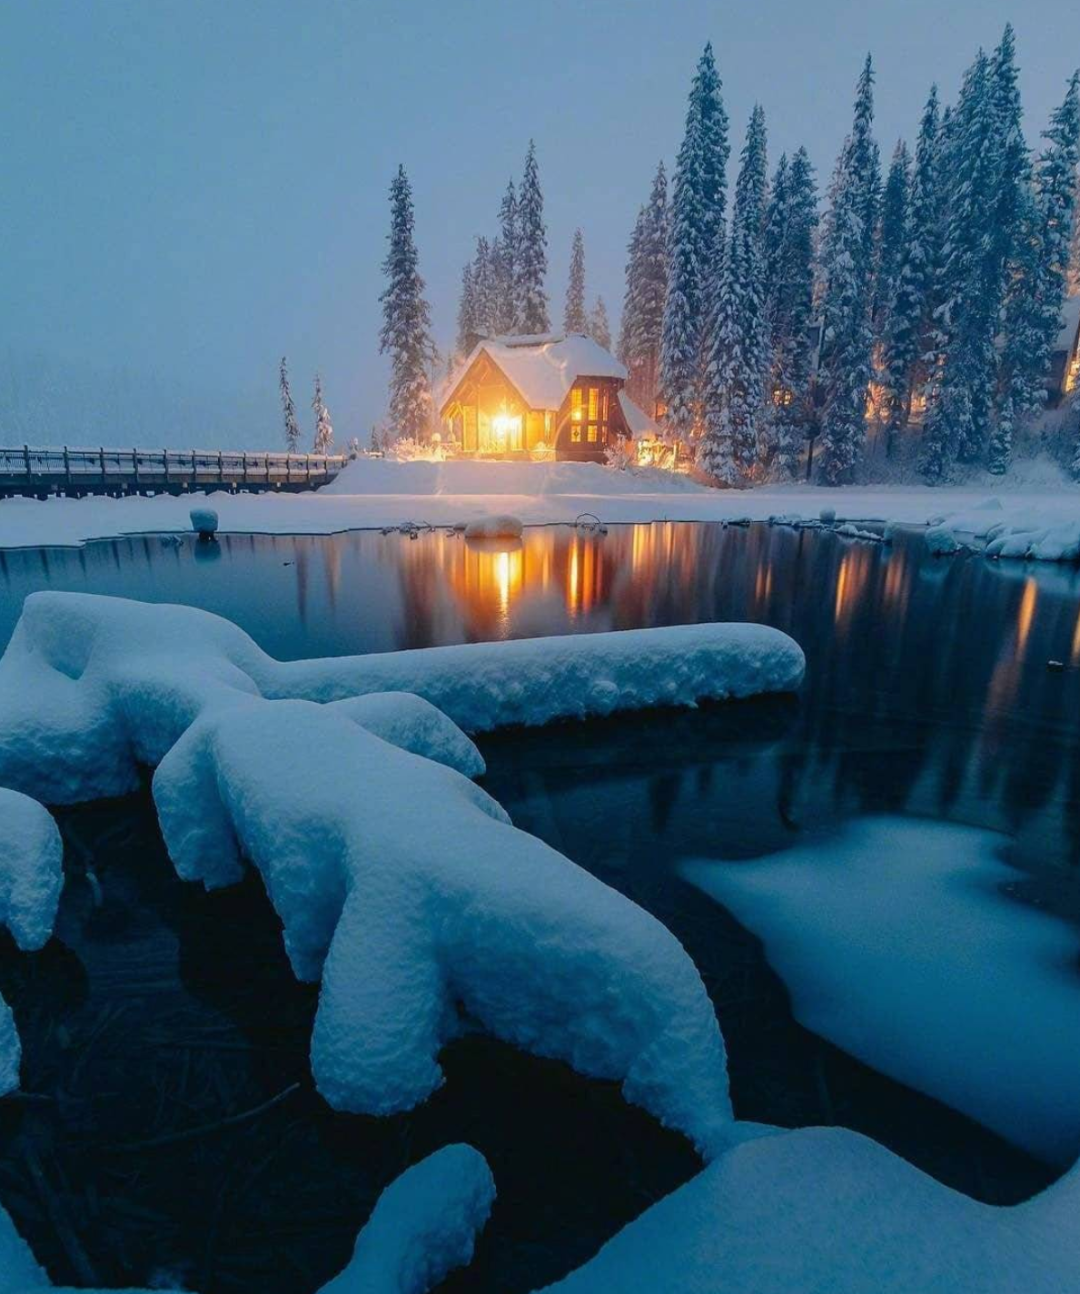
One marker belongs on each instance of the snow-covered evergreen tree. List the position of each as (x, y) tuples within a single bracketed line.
[(641, 329), (695, 247), (574, 315), (790, 227), (467, 319), (292, 427), (1074, 255), (739, 363), (894, 230), (628, 318), (908, 340), (406, 329), (531, 259), (972, 276), (1038, 277), (505, 262), (598, 327), (324, 428), (485, 274), (848, 280)]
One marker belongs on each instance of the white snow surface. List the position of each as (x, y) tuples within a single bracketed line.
[(423, 1226), (31, 877), (405, 886), (827, 1211), (1041, 519), (396, 879), (897, 943), (92, 687), (543, 368), (31, 871)]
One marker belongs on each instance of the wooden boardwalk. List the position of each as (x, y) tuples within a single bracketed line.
[(39, 472)]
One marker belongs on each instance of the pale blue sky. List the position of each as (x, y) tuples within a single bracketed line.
[(193, 187)]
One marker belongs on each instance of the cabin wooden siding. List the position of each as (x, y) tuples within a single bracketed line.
[(484, 393)]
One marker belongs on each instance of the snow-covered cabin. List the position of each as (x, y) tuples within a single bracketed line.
[(524, 397), (1065, 361)]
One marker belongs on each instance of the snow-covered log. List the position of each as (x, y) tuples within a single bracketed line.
[(417, 901), (93, 687)]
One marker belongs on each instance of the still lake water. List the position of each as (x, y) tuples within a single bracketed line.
[(159, 1012)]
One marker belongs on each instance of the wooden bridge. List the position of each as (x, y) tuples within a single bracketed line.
[(37, 473)]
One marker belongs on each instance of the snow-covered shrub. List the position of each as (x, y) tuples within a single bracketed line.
[(502, 526), (406, 450), (621, 454)]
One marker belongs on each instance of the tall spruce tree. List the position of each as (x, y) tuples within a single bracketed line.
[(505, 261), (574, 315), (695, 246), (324, 428), (1074, 255), (598, 327), (288, 408), (893, 237), (963, 384), (908, 332), (467, 318), (738, 367), (531, 262), (406, 329), (642, 323), (790, 227), (486, 287), (848, 280), (1038, 278)]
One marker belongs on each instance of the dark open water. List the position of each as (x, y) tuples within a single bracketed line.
[(161, 1019)]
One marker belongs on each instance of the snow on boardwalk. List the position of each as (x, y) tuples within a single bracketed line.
[(1041, 521), (312, 773)]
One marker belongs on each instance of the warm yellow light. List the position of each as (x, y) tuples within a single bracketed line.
[(504, 425)]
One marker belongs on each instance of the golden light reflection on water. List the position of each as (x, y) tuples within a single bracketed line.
[(1074, 659), (1026, 614)]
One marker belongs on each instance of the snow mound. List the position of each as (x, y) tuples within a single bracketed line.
[(408, 721), (204, 520), (470, 478), (31, 877), (93, 687), (423, 1226), (31, 871), (415, 918), (897, 944), (941, 541), (830, 1211), (496, 527)]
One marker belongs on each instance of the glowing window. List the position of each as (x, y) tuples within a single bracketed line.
[(575, 404), (594, 403), (592, 431), (575, 433)]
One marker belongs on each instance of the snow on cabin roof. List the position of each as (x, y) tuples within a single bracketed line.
[(1070, 323), (637, 419), (544, 367)]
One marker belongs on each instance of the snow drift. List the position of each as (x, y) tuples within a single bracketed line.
[(31, 877), (93, 687), (897, 944)]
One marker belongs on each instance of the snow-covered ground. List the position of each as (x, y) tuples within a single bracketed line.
[(1040, 518), (897, 944)]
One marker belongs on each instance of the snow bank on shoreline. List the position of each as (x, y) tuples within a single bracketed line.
[(547, 493), (897, 944)]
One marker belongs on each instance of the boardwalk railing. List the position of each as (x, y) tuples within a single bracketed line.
[(39, 471)]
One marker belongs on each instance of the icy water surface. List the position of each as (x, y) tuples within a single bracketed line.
[(169, 1133)]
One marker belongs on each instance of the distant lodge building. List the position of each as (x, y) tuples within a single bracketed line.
[(550, 396)]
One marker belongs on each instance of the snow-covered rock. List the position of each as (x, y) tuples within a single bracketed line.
[(31, 877), (897, 944), (92, 687), (406, 887), (500, 526), (423, 1226), (31, 869), (204, 521)]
